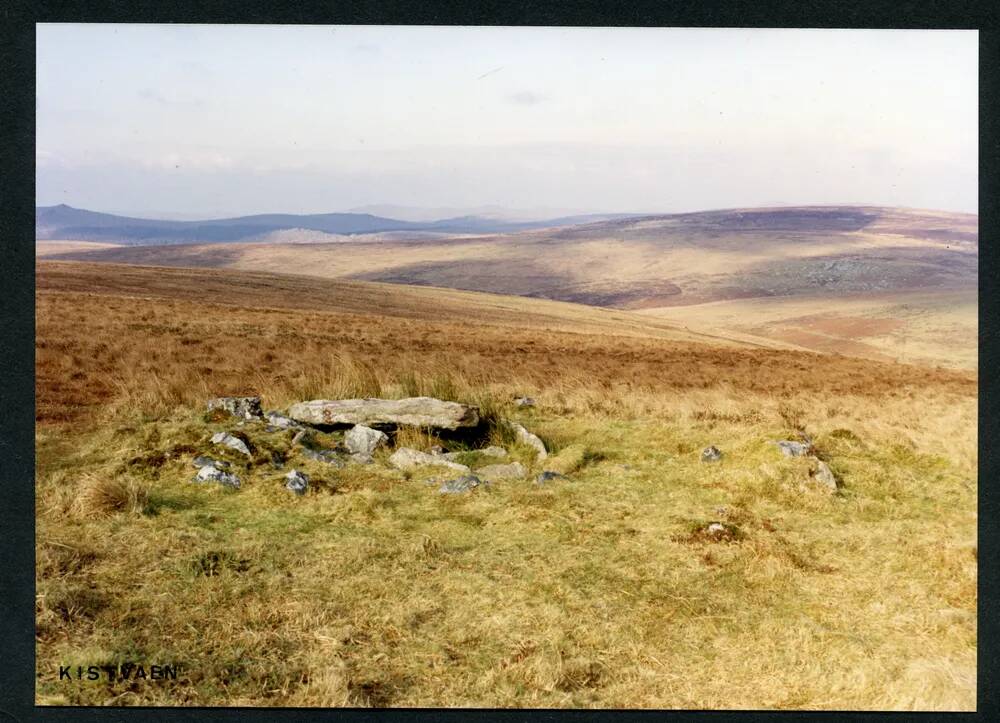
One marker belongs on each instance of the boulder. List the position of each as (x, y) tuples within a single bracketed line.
[(549, 476), (280, 421), (211, 473), (465, 483), (407, 459), (235, 443), (526, 437), (363, 440), (711, 454), (414, 412), (326, 456), (202, 461), (515, 470), (243, 407), (524, 402), (297, 482), (823, 476), (793, 449)]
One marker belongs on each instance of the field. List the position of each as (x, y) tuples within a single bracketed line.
[(599, 591), (927, 327)]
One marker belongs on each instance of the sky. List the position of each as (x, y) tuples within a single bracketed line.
[(196, 121)]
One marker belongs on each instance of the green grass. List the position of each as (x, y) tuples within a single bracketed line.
[(373, 589)]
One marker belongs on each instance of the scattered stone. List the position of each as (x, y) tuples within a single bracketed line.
[(711, 454), (823, 476), (415, 411), (716, 529), (244, 407), (515, 470), (793, 449), (438, 450), (361, 459), (297, 482), (280, 421), (327, 456), (493, 451), (549, 476), (524, 402), (303, 436), (465, 483), (210, 473), (363, 440), (526, 437), (202, 461), (407, 459), (235, 443)]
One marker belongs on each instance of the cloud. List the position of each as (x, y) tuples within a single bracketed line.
[(526, 97)]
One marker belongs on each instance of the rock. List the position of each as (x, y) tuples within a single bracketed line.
[(210, 473), (526, 437), (202, 461), (524, 402), (716, 529), (407, 459), (515, 470), (361, 459), (711, 454), (493, 451), (465, 483), (793, 449), (297, 482), (414, 411), (303, 436), (280, 421), (243, 407), (549, 476), (438, 449), (823, 476), (235, 443), (327, 456), (363, 440)]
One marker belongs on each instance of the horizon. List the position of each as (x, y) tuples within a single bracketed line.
[(224, 121), (181, 216)]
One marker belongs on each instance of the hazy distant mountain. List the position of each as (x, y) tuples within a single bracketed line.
[(494, 212), (66, 222)]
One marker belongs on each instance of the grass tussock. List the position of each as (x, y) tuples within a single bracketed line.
[(99, 494)]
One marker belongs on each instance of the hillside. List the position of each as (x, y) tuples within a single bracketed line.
[(642, 263), (605, 587), (674, 265)]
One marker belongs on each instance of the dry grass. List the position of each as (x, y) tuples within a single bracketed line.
[(374, 590), (99, 494), (929, 327)]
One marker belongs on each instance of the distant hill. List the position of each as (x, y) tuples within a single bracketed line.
[(67, 223)]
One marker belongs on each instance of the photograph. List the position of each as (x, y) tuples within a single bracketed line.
[(505, 367)]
